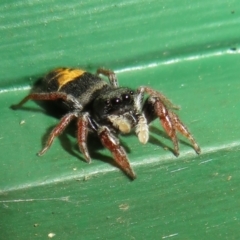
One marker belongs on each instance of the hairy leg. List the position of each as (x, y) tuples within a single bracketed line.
[(118, 152), (64, 122), (158, 106), (82, 133)]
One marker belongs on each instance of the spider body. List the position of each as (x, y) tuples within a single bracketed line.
[(107, 109)]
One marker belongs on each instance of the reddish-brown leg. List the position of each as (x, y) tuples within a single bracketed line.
[(170, 121), (184, 131), (82, 134), (167, 123), (57, 131), (118, 152), (164, 99)]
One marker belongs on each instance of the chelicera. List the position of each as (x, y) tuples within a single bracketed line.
[(107, 110)]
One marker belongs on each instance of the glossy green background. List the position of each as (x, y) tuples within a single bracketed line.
[(189, 50)]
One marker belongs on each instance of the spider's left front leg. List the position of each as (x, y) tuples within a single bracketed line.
[(112, 144), (159, 106)]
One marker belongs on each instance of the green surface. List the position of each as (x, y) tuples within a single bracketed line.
[(190, 52)]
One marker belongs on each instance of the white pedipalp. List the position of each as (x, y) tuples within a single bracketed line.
[(120, 122), (142, 129)]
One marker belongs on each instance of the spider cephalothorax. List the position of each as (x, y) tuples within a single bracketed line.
[(107, 109)]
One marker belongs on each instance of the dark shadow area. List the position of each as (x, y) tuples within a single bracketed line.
[(157, 142), (163, 134), (93, 142), (50, 108), (94, 145)]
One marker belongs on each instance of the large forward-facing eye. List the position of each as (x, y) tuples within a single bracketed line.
[(115, 101), (126, 98)]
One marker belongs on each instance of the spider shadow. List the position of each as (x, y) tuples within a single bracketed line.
[(93, 142), (153, 140)]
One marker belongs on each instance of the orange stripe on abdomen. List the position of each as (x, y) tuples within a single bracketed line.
[(66, 75)]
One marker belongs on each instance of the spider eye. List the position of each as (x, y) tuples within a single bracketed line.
[(126, 97), (115, 101)]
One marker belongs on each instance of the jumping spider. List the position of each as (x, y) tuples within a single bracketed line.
[(107, 110)]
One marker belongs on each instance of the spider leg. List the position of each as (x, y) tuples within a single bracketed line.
[(167, 102), (58, 130), (157, 106), (118, 152), (49, 96), (110, 74), (184, 131), (163, 114), (82, 133)]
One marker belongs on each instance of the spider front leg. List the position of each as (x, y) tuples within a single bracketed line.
[(112, 144), (157, 106)]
